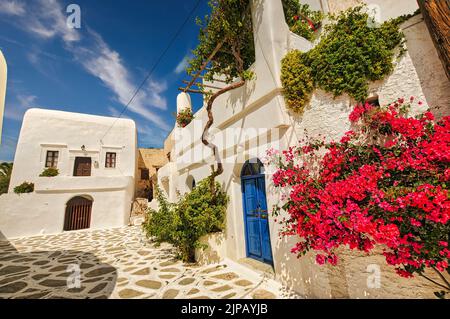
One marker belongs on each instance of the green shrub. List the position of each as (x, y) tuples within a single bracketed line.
[(347, 58), (200, 212), (297, 81), (196, 214), (24, 188), (161, 224), (50, 172), (5, 177)]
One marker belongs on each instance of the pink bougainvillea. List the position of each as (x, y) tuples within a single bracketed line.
[(384, 183)]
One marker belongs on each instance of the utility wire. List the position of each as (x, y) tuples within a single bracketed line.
[(154, 67)]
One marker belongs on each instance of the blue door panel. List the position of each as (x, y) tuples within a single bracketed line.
[(252, 220), (264, 220), (256, 218)]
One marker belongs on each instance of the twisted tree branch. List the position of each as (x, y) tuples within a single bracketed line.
[(219, 170)]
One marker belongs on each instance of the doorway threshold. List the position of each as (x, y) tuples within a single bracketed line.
[(258, 266)]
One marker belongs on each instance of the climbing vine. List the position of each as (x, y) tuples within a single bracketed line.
[(350, 54)]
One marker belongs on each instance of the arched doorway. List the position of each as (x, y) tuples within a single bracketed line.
[(256, 217), (78, 213)]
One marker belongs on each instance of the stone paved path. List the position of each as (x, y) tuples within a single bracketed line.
[(116, 263)]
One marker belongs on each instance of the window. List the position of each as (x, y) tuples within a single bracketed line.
[(110, 160), (145, 174), (52, 159)]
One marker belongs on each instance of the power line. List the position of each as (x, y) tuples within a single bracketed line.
[(154, 66)]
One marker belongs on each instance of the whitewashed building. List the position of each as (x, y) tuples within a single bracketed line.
[(96, 160), (250, 119)]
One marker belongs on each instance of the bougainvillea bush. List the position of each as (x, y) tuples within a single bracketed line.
[(384, 183)]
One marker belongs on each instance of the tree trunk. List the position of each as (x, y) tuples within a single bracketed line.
[(436, 14), (213, 147)]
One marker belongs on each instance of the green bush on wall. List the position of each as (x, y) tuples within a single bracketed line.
[(349, 55), (24, 188), (195, 215), (50, 172), (297, 81)]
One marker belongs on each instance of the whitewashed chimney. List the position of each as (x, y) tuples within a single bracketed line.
[(183, 102)]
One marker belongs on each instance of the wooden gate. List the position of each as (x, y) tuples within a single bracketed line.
[(78, 214)]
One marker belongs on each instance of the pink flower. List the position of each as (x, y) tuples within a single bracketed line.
[(320, 259), (367, 193)]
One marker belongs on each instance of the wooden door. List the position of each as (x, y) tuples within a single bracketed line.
[(82, 166), (78, 214)]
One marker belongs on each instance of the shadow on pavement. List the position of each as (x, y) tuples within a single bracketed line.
[(53, 274)]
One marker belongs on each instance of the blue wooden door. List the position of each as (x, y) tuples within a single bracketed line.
[(264, 221), (256, 219)]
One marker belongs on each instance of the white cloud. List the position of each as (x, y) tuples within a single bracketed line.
[(113, 111), (48, 20), (116, 112), (23, 103), (155, 88), (98, 59), (12, 7), (152, 136), (7, 148), (181, 67), (106, 64)]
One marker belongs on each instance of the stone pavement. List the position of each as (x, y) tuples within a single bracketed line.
[(115, 263)]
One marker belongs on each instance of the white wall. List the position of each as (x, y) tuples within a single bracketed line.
[(260, 104), (112, 189), (47, 130), (43, 213)]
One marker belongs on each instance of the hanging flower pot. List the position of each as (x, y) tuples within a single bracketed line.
[(184, 117)]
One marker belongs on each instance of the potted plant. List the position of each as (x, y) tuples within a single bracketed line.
[(24, 188), (50, 172), (184, 117)]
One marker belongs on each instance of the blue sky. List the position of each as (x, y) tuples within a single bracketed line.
[(96, 69)]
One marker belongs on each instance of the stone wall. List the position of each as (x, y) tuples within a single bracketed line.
[(148, 159)]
